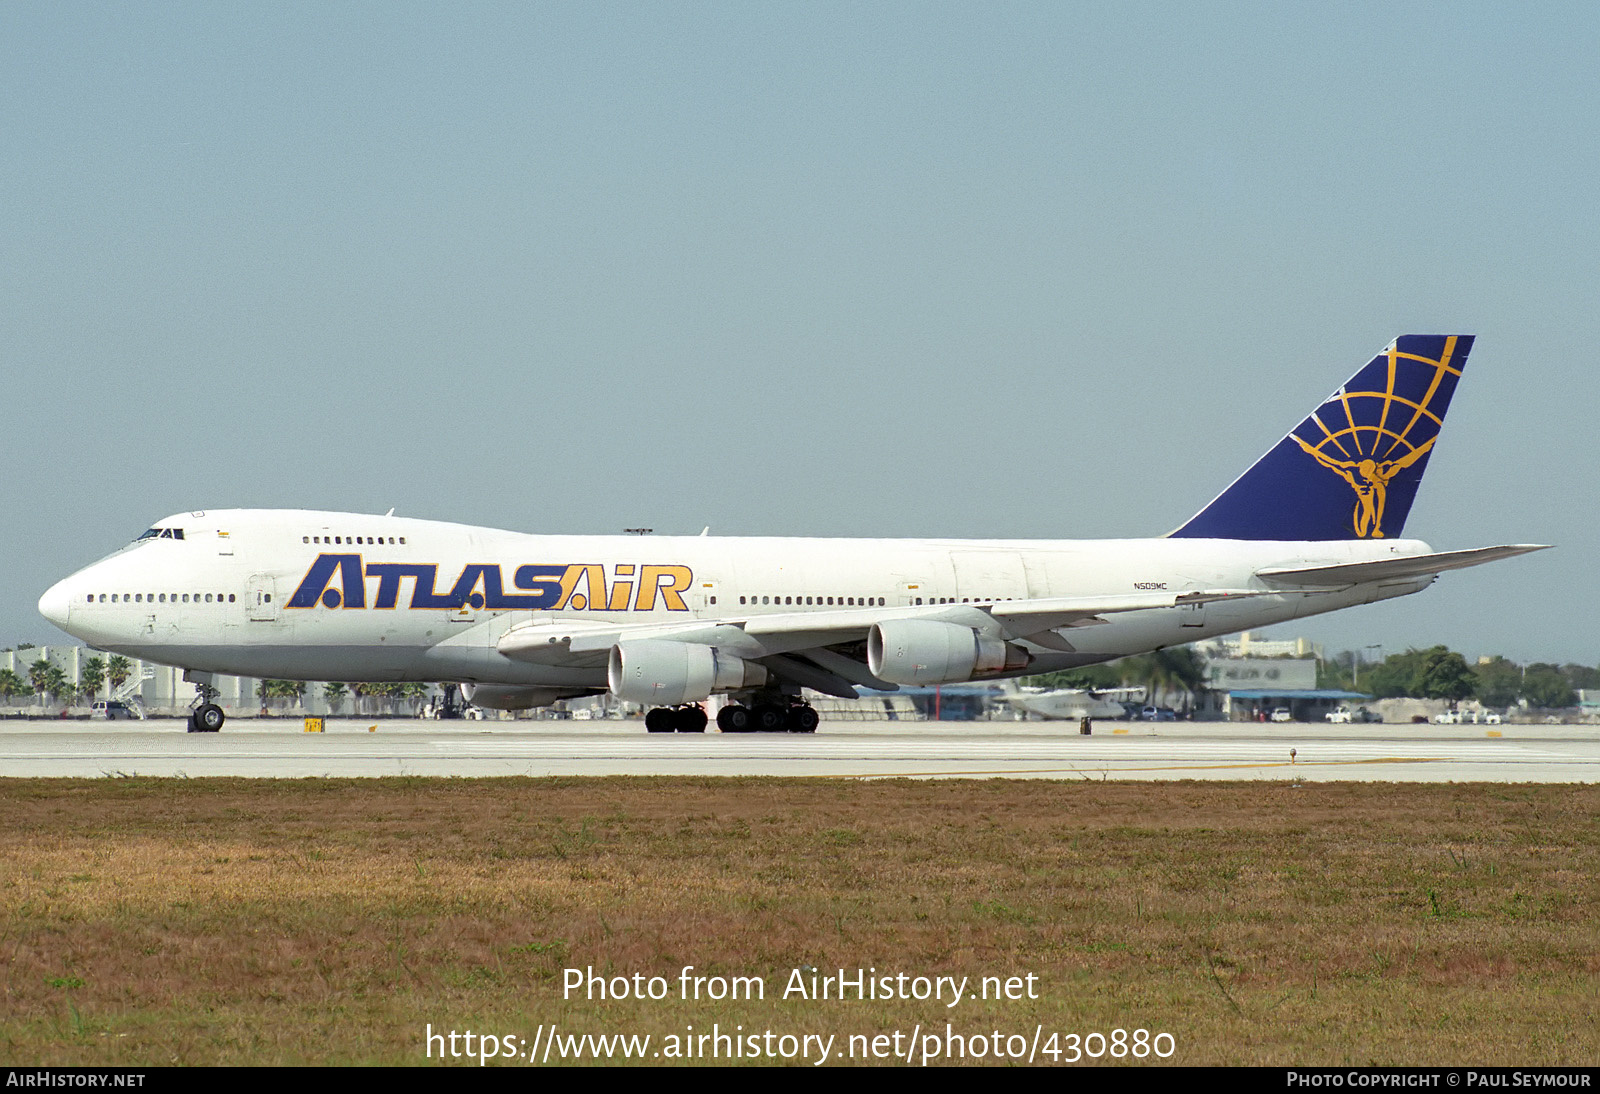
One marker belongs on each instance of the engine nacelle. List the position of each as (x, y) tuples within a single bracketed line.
[(926, 651), (668, 673), (514, 697)]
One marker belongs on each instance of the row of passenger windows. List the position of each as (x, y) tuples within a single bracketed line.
[(166, 598), (342, 540), (860, 601), (964, 599), (849, 601)]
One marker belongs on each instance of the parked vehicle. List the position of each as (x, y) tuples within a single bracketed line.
[(1448, 718), (110, 710), (1346, 716), (1158, 714), (1281, 714)]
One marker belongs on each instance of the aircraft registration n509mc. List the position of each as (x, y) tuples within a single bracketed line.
[(525, 620)]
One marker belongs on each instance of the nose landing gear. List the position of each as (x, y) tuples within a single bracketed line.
[(207, 717)]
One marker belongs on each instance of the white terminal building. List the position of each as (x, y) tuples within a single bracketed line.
[(156, 690), (1250, 676)]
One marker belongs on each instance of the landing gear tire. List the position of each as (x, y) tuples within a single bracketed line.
[(768, 718), (802, 719), (689, 720), (208, 718), (734, 719), (659, 720)]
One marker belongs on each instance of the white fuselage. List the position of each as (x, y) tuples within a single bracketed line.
[(343, 596)]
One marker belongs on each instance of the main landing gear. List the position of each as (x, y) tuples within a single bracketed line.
[(768, 718), (763, 717), (207, 717), (685, 719)]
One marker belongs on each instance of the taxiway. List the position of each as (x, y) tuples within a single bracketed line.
[(1038, 750)]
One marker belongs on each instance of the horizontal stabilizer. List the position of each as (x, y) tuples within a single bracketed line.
[(1393, 569)]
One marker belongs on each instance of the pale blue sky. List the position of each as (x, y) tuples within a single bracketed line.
[(887, 269)]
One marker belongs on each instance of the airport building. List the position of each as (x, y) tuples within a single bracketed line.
[(1252, 689), (1247, 644), (155, 690)]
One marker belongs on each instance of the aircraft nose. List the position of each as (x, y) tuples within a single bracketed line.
[(54, 603)]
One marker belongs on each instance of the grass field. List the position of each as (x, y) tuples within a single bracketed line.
[(333, 921)]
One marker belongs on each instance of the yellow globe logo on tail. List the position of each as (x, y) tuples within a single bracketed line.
[(1382, 432)]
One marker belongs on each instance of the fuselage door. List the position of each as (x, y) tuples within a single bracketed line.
[(263, 598), (700, 596), (989, 575)]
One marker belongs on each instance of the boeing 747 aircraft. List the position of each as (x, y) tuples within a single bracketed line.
[(523, 620)]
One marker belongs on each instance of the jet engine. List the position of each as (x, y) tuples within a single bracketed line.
[(668, 673), (926, 651), (513, 697)]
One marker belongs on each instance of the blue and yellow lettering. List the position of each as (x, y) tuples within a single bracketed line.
[(389, 575), (622, 591), (544, 583), (466, 594), (424, 596), (595, 598), (678, 579), (578, 586), (495, 596), (313, 589)]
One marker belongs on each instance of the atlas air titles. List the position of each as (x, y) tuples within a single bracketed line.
[(344, 581)]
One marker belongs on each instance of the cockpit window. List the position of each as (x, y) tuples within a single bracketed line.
[(162, 533)]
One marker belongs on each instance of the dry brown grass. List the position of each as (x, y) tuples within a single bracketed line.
[(227, 920)]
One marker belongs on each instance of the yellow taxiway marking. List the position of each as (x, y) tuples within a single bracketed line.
[(1092, 768)]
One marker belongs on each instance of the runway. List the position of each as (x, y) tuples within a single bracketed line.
[(1041, 750)]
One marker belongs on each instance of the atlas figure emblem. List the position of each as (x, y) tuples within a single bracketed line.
[(1370, 479)]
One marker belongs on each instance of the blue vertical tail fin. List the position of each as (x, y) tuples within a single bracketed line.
[(1351, 469)]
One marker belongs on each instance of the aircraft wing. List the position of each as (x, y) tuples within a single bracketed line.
[(785, 632), (1393, 569), (796, 644)]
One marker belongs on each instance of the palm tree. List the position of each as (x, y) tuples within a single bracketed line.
[(415, 693), (39, 677), (291, 691), (282, 690), (12, 685), (118, 670), (1165, 670), (61, 689), (334, 693), (92, 676)]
